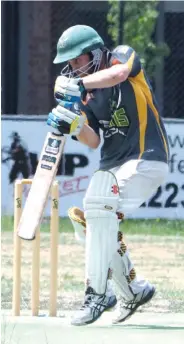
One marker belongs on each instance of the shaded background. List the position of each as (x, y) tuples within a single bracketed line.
[(30, 31)]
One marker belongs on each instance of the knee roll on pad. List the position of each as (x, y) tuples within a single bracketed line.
[(102, 193)]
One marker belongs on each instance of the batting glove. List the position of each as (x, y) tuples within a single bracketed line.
[(66, 121), (68, 89)]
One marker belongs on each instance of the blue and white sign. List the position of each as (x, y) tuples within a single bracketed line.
[(22, 142)]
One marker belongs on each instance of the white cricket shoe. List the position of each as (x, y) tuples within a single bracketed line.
[(93, 307), (127, 308)]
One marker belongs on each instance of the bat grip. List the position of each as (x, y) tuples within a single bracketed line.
[(56, 132)]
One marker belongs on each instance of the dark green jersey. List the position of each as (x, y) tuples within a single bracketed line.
[(128, 116)]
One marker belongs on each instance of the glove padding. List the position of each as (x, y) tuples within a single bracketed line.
[(76, 216), (66, 121), (67, 89)]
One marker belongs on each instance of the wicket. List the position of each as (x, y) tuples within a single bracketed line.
[(54, 231)]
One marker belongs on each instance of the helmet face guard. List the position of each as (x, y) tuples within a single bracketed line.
[(91, 67), (76, 41)]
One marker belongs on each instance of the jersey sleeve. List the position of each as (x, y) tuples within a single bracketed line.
[(125, 54), (90, 118)]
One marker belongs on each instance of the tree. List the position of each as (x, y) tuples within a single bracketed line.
[(139, 23)]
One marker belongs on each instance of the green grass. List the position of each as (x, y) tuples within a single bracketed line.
[(156, 227), (156, 248)]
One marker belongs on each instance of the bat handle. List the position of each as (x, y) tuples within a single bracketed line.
[(56, 132)]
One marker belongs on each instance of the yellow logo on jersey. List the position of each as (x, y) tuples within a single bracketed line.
[(119, 119)]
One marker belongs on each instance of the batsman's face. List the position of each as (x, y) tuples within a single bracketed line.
[(79, 64)]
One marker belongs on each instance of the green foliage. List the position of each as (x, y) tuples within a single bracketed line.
[(139, 20)]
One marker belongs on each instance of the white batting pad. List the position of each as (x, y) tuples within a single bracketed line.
[(121, 268), (102, 192), (100, 205)]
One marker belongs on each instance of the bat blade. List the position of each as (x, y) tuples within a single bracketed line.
[(42, 181)]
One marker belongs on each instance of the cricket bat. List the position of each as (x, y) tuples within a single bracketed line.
[(42, 181)]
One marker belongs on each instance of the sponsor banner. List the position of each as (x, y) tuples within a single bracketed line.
[(168, 201), (75, 169), (22, 142)]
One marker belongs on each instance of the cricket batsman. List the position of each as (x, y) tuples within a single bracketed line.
[(108, 91)]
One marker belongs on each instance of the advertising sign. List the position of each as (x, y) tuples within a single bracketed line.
[(78, 165)]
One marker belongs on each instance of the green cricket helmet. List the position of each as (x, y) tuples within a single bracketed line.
[(79, 40)]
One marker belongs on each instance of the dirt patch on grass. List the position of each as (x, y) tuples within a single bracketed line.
[(160, 259)]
